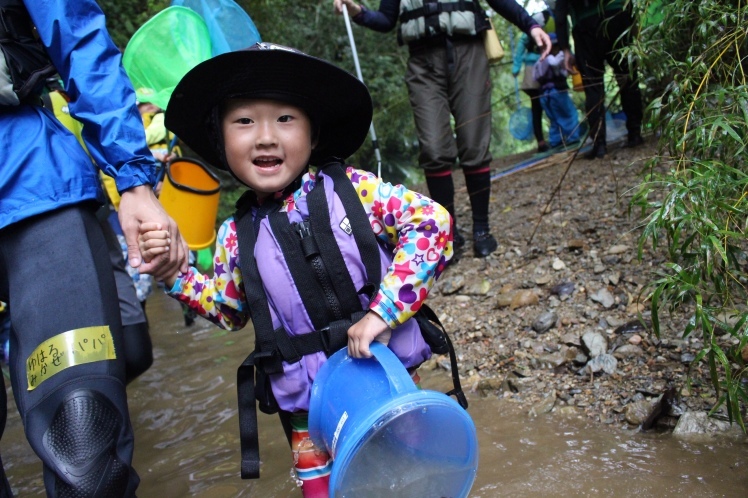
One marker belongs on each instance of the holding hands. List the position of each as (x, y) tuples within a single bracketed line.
[(155, 242)]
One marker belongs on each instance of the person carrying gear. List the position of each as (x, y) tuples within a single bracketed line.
[(448, 77), (66, 347), (320, 255)]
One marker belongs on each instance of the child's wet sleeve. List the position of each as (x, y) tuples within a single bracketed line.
[(219, 298), (419, 232)]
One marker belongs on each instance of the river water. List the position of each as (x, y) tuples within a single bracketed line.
[(185, 419)]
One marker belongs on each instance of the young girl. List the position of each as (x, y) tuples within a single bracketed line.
[(318, 258)]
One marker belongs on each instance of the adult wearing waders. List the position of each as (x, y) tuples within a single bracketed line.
[(448, 75), (600, 29), (66, 364)]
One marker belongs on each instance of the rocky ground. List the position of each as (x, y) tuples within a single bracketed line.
[(558, 320)]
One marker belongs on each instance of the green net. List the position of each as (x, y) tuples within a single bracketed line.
[(163, 50)]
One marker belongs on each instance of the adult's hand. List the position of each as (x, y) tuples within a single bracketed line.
[(353, 8), (570, 62), (541, 40), (140, 205)]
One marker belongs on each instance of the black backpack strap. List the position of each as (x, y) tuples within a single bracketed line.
[(360, 224), (264, 346), (438, 340), (248, 433), (319, 217), (297, 247)]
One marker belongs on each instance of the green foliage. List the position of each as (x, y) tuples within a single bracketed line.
[(694, 66), (124, 18)]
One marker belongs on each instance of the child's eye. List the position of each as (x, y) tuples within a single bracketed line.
[(244, 121), (285, 118)]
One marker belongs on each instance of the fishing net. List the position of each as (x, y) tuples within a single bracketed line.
[(229, 25), (163, 50), (520, 123)]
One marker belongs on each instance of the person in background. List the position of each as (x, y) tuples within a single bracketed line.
[(600, 30), (557, 104), (66, 364), (527, 53), (448, 77), (281, 122)]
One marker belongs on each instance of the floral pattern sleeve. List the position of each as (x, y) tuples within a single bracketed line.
[(219, 298), (418, 230)]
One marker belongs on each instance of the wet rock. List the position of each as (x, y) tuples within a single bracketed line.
[(567, 411), (520, 384), (604, 297), (486, 387), (544, 406), (693, 422), (637, 412), (545, 322)]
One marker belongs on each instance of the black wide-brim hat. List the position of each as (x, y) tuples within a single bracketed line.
[(338, 104)]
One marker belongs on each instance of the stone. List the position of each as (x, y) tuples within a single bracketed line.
[(637, 412), (604, 297), (545, 322)]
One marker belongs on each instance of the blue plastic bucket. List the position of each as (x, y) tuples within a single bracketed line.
[(387, 437)]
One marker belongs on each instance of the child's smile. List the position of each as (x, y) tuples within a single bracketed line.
[(267, 143)]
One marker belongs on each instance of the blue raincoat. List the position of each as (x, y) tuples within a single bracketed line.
[(42, 165)]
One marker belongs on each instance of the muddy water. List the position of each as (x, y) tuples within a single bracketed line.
[(185, 419)]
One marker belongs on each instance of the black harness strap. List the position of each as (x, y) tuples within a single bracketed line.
[(261, 320), (319, 218), (360, 224), (307, 284)]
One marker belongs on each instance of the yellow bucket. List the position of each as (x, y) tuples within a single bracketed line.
[(190, 195)]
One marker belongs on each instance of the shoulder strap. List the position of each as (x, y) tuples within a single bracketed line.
[(360, 224), (262, 321)]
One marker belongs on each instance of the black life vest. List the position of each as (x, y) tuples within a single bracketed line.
[(311, 252), (25, 64)]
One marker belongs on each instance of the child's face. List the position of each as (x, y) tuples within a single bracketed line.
[(268, 143)]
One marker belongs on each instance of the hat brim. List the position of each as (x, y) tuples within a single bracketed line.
[(337, 101)]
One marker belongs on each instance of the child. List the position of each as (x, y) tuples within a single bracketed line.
[(555, 99), (528, 53), (329, 255)]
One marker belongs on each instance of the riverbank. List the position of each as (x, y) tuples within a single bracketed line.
[(556, 319)]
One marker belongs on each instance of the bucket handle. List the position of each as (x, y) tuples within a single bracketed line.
[(186, 188), (400, 381)]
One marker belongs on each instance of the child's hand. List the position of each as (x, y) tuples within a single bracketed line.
[(362, 333), (153, 241)]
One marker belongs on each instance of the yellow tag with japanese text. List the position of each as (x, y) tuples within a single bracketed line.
[(74, 347)]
